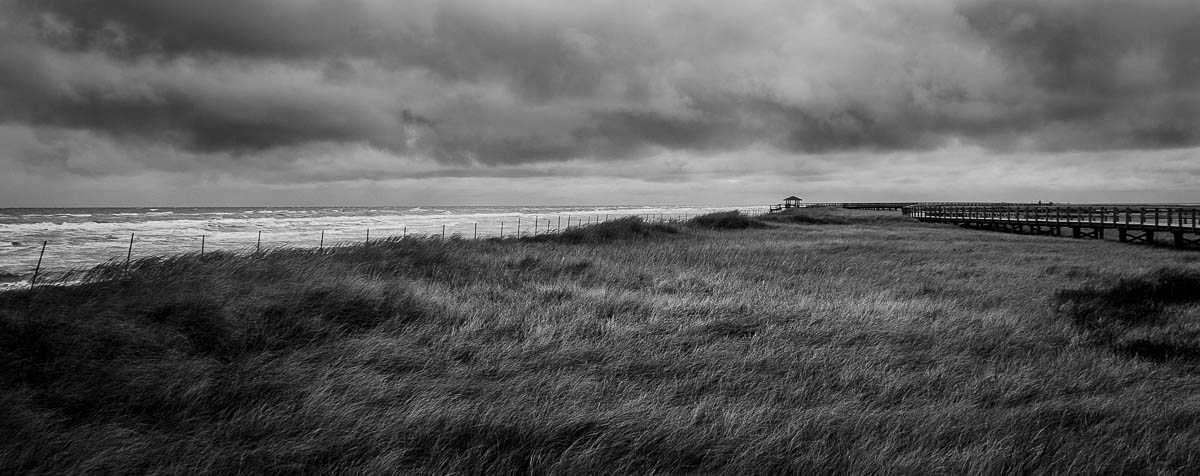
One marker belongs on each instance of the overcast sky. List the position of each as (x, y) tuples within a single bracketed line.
[(342, 102)]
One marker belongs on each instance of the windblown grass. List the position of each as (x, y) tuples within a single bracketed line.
[(831, 216), (876, 345), (731, 220), (626, 228)]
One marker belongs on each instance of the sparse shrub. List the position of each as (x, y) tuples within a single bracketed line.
[(201, 322), (1132, 315), (731, 220), (727, 328), (317, 315), (354, 312)]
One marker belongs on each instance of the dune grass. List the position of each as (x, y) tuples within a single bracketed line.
[(731, 220), (841, 342)]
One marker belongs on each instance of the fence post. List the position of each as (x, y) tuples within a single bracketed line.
[(368, 236), (37, 269), (405, 232), (518, 227), (559, 226), (201, 245), (476, 231), (443, 232), (501, 229), (129, 255), (258, 245), (321, 245)]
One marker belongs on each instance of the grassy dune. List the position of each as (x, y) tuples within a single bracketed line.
[(817, 341)]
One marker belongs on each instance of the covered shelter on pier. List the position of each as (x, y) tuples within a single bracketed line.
[(790, 202)]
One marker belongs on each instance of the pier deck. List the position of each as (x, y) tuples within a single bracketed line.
[(1136, 224)]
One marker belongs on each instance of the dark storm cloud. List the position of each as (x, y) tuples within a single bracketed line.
[(179, 27), (456, 43), (1127, 69), (197, 115), (501, 83), (459, 41)]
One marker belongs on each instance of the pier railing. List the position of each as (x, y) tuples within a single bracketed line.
[(1158, 218), (1132, 223), (887, 205)]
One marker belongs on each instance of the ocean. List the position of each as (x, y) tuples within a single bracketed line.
[(80, 238)]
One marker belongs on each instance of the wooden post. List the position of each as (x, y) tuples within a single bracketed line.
[(405, 235), (201, 245), (476, 231), (518, 227), (38, 268), (258, 245), (368, 236), (321, 245), (129, 255), (443, 232), (559, 226), (502, 229)]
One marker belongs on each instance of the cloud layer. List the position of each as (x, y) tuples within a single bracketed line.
[(377, 88)]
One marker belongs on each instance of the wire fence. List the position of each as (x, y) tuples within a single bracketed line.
[(53, 258)]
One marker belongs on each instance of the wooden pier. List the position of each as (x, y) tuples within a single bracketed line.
[(1132, 224), (898, 205)]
